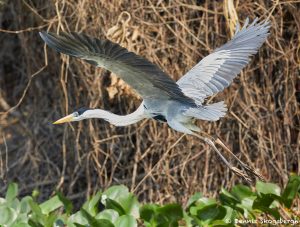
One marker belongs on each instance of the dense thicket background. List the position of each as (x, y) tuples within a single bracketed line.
[(38, 86)]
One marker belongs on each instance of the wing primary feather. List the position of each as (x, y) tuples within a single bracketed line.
[(142, 75), (217, 70)]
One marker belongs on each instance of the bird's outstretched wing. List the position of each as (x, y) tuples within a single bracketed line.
[(216, 71), (145, 77)]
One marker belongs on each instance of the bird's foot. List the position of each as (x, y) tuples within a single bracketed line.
[(251, 171), (241, 173)]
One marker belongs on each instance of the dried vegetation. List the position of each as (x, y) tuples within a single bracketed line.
[(38, 85)]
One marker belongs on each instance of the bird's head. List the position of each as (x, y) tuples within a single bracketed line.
[(77, 115)]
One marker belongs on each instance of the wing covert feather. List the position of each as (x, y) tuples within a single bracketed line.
[(217, 70), (142, 75)]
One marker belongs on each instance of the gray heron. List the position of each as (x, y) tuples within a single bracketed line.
[(176, 103)]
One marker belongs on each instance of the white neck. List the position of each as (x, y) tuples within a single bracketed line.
[(117, 120)]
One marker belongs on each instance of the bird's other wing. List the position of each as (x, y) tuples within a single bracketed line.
[(216, 71), (145, 77)]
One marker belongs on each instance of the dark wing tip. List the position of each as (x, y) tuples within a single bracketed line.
[(42, 34), (64, 43), (50, 39), (46, 36)]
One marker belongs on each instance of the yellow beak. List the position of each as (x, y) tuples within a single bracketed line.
[(65, 119)]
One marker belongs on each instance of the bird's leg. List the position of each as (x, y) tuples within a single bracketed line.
[(248, 169), (245, 166), (232, 168)]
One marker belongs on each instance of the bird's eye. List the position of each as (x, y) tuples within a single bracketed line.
[(76, 114)]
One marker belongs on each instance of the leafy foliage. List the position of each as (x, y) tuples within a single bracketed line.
[(117, 207)]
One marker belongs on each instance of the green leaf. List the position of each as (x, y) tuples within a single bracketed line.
[(168, 215), (70, 224), (78, 218), (194, 198), (51, 205), (245, 207), (130, 205), (2, 201), (92, 205), (15, 205), (24, 205), (22, 217), (108, 214), (147, 212), (20, 224), (263, 204), (220, 223), (202, 202), (241, 191), (126, 200), (32, 223), (111, 204), (122, 208), (66, 202), (193, 210), (211, 212), (205, 202), (12, 192), (50, 220), (91, 220), (172, 212), (231, 214), (116, 192), (37, 218), (94, 222), (228, 199), (187, 219), (78, 225), (8, 215), (126, 221), (267, 188), (247, 203), (291, 190), (35, 194)]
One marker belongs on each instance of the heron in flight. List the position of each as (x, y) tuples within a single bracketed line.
[(176, 103)]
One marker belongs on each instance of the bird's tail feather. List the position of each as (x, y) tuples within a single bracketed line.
[(211, 112)]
